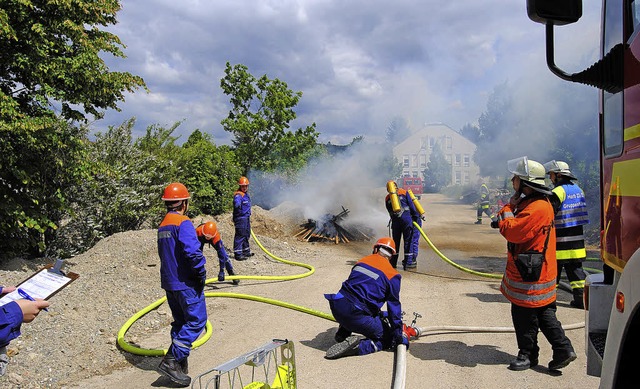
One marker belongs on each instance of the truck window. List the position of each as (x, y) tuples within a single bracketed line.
[(612, 114)]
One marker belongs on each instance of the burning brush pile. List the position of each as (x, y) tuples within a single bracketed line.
[(333, 228)]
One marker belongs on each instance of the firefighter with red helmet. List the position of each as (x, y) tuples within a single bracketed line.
[(372, 283), (529, 281), (571, 215), (208, 233), (242, 220), (182, 276)]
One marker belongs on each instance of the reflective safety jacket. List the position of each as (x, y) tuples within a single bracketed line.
[(526, 227), (484, 196), (371, 284), (182, 264), (241, 205), (571, 215), (406, 205)]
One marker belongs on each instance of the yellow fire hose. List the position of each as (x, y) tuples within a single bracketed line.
[(399, 366), (208, 328), (450, 262)]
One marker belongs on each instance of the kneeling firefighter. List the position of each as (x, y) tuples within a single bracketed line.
[(208, 233), (357, 306), (403, 213), (529, 281)]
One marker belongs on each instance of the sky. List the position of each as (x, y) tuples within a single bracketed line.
[(359, 64)]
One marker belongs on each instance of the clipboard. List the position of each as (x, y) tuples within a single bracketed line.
[(44, 283)]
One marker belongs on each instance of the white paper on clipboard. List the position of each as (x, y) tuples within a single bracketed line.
[(42, 284)]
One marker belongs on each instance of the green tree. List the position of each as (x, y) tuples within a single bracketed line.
[(398, 130), (51, 51), (494, 122), (50, 62), (259, 118), (210, 173), (471, 132), (121, 192), (437, 175), (40, 169)]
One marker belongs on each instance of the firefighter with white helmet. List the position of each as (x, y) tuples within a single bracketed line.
[(372, 283), (208, 233), (529, 281), (182, 276), (570, 206), (242, 220)]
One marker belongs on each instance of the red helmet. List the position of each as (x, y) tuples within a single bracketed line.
[(209, 230), (386, 242), (175, 191), (243, 181)]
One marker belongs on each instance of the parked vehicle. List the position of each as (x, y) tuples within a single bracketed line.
[(612, 309)]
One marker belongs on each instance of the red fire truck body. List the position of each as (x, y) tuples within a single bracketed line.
[(612, 299)]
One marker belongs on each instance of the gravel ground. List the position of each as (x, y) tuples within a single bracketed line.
[(74, 344), (76, 339)]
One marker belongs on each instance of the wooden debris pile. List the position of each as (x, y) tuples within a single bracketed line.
[(332, 228)]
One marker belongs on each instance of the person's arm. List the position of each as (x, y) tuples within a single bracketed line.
[(10, 322), (191, 244), (394, 308)]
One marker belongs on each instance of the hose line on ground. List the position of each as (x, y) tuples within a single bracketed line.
[(450, 262), (208, 327)]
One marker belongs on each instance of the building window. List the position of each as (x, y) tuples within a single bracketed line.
[(414, 160), (458, 175), (465, 160), (448, 158), (457, 161), (467, 179), (423, 143), (448, 142), (423, 160), (405, 161)]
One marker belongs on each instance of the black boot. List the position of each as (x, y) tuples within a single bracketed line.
[(523, 362), (184, 364), (578, 299), (172, 369), (233, 273), (562, 359)]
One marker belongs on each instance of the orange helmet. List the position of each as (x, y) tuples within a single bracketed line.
[(175, 191), (243, 181), (209, 230), (386, 242)]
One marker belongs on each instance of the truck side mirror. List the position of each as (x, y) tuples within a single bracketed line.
[(556, 12)]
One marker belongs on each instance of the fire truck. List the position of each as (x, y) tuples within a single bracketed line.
[(413, 183), (612, 314)]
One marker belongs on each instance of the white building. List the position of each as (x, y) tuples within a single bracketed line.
[(414, 153)]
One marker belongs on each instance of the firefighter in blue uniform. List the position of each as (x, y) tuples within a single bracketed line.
[(208, 233), (242, 220), (182, 276), (571, 215), (357, 306), (483, 205), (402, 227)]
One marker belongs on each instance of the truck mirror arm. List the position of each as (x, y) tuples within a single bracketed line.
[(605, 74)]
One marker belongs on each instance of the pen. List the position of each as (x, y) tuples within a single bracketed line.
[(25, 295)]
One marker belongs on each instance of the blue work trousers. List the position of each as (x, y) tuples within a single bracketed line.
[(402, 229), (189, 312), (354, 318), (241, 238)]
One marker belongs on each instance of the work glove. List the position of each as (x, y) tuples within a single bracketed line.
[(202, 280), (495, 224)]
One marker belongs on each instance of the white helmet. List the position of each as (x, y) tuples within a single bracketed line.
[(559, 167), (528, 170)]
